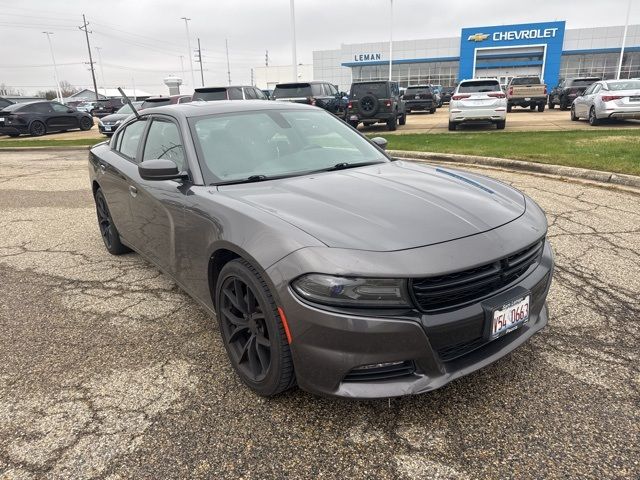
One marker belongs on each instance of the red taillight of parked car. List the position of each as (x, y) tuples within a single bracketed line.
[(312, 101), (387, 103), (510, 90), (611, 98), (497, 95), (460, 97), (545, 89), (350, 105)]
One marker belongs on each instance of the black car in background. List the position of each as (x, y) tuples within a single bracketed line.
[(446, 94), (568, 89), (109, 124), (41, 117), (107, 107), (232, 92), (419, 97), (5, 103), (319, 94)]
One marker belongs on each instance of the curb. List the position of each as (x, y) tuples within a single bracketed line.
[(69, 148), (609, 178)]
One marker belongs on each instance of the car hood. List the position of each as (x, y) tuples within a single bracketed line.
[(114, 117), (386, 207)]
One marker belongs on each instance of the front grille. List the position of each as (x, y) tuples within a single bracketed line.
[(454, 290), (376, 374)]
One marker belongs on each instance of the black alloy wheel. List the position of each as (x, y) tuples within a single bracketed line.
[(37, 128), (108, 230), (86, 123), (252, 330)]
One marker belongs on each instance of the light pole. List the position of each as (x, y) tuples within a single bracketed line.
[(391, 42), (55, 68), (624, 41), (104, 86), (294, 56), (186, 25)]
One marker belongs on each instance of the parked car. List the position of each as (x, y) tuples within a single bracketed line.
[(5, 102), (324, 95), (41, 117), (109, 124), (419, 97), (268, 92), (376, 101), (478, 100), (568, 90), (163, 101), (446, 94), (608, 99), (238, 92), (528, 92), (107, 107), (87, 107), (437, 92), (326, 264)]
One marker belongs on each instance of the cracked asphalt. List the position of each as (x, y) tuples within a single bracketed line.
[(108, 370)]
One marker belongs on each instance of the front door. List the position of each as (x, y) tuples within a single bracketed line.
[(63, 118)]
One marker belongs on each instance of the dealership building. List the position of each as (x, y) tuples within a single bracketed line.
[(545, 49)]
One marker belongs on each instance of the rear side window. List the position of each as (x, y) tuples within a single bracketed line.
[(163, 141), (235, 93), (35, 108), (317, 90), (250, 94), (526, 81), (292, 90), (479, 86), (129, 139), (58, 107), (210, 94), (359, 90)]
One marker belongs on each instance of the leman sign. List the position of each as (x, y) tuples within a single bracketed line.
[(366, 57)]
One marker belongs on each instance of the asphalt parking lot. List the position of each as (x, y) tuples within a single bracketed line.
[(108, 370)]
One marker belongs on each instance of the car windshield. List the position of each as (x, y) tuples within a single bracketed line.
[(276, 143), (624, 85), (525, 81), (210, 94), (359, 90), (479, 86), (293, 90), (160, 102), (125, 109), (583, 82)]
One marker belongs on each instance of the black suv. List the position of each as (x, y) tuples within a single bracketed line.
[(376, 102), (107, 107), (568, 89), (419, 97), (320, 94)]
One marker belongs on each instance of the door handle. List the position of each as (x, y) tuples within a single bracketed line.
[(133, 190)]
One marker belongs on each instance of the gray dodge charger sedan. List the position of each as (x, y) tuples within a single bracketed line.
[(327, 264)]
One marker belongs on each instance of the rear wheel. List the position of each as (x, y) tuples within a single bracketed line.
[(593, 118), (86, 123), (541, 107), (552, 105), (392, 123), (252, 331), (574, 117), (500, 124), (403, 119), (433, 110), (108, 230), (452, 126), (532, 107), (37, 128), (563, 105)]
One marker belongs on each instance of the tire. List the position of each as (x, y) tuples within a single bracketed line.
[(368, 105), (532, 107), (403, 119), (500, 124), (593, 118), (432, 111), (552, 105), (509, 107), (452, 126), (541, 107), (574, 117), (354, 123), (86, 123), (252, 330), (37, 128), (108, 230), (408, 111), (392, 123), (563, 105)]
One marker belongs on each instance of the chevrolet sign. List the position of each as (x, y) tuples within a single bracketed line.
[(478, 37), (525, 34)]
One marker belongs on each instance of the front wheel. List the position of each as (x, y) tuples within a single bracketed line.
[(452, 126), (552, 105), (432, 111), (252, 331), (500, 124), (108, 230), (403, 119), (593, 118), (541, 107), (392, 123)]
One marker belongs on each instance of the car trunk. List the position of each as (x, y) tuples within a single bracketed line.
[(479, 101)]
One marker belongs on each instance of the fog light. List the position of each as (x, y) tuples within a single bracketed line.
[(380, 365)]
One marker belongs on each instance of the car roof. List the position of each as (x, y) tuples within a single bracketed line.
[(168, 97), (419, 86), (200, 109), (222, 87)]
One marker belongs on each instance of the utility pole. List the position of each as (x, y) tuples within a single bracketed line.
[(55, 68), (186, 25), (226, 44), (266, 58), (93, 72), (182, 65), (624, 41), (294, 56), (104, 86), (252, 84), (200, 61), (391, 43)]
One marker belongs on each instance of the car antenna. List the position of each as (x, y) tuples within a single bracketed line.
[(126, 99)]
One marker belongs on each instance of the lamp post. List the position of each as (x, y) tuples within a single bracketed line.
[(624, 41), (391, 43), (55, 68), (186, 25), (294, 56), (104, 86)]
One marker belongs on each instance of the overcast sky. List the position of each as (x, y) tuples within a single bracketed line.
[(141, 41)]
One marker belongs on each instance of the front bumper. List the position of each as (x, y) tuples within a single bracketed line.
[(107, 129), (328, 345), (378, 117)]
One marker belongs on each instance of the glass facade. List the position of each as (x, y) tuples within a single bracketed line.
[(436, 73), (604, 65)]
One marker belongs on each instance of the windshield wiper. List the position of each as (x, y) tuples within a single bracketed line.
[(344, 165), (251, 179)]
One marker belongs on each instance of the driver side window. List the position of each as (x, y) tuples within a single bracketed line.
[(164, 142)]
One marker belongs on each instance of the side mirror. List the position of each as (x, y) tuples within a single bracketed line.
[(160, 169), (380, 142), (70, 110)]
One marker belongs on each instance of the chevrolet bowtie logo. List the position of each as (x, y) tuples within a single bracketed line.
[(478, 37)]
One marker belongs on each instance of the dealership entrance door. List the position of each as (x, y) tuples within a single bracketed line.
[(505, 63)]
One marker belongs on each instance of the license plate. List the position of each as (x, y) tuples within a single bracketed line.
[(510, 317), (527, 99), (1, 119), (417, 97)]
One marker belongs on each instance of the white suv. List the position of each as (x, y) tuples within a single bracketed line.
[(478, 100)]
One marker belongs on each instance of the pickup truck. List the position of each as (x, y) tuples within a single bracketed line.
[(526, 92)]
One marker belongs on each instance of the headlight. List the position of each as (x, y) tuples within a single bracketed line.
[(352, 292), (118, 123)]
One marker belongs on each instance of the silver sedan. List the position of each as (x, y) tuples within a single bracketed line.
[(608, 99)]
